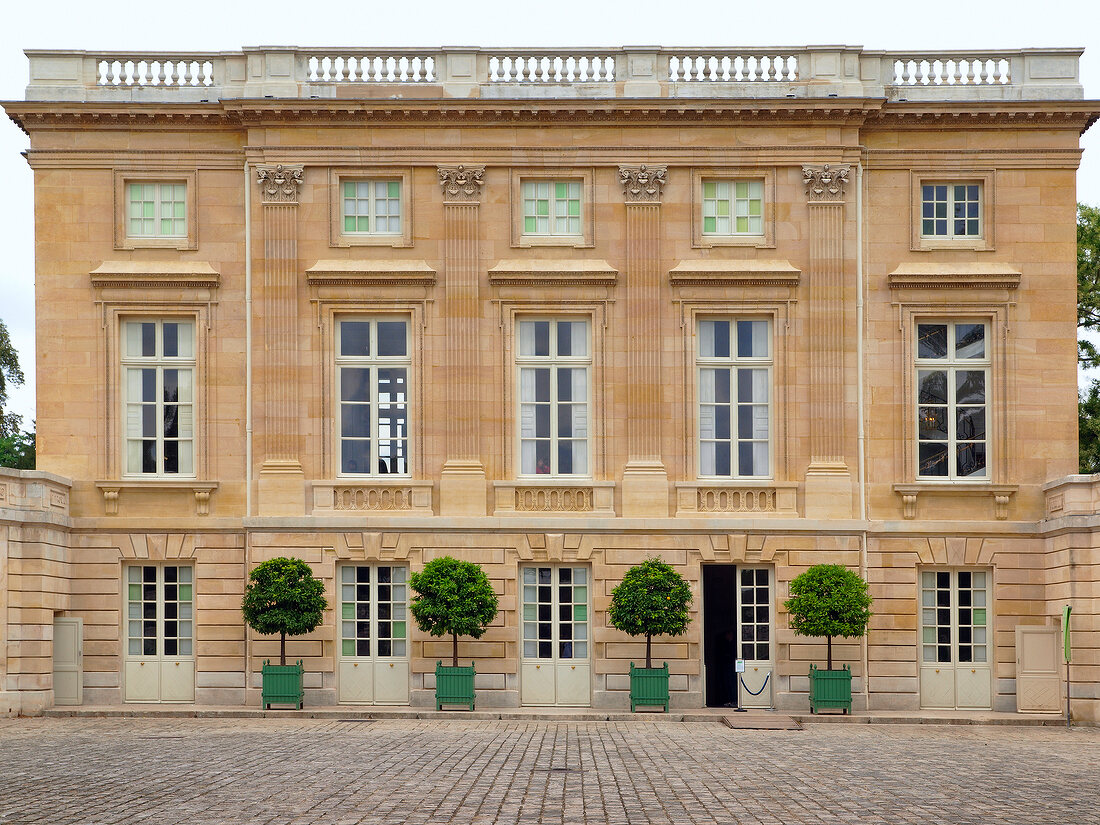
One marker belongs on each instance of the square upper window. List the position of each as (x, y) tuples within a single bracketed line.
[(371, 207), (951, 210), (156, 210), (733, 207), (552, 208)]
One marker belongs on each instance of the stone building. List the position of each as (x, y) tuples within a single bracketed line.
[(554, 312)]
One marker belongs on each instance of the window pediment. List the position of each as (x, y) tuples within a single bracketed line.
[(384, 272), (967, 275), (146, 274), (708, 272), (553, 272)]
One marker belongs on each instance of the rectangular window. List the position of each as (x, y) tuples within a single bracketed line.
[(951, 210), (156, 210), (555, 613), (158, 365), (734, 364), (733, 207), (160, 611), (372, 365), (553, 357), (954, 617), (952, 361), (552, 207), (373, 604), (372, 207)]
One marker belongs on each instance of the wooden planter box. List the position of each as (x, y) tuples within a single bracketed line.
[(454, 686), (648, 687), (282, 685), (830, 689)]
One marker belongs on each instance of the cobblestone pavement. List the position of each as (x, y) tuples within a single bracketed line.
[(205, 771)]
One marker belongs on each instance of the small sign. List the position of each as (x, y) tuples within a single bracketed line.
[(1065, 629), (740, 666)]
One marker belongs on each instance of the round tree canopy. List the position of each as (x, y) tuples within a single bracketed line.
[(454, 598), (283, 597), (651, 600), (829, 600)]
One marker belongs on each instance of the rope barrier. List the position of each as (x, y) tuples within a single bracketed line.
[(755, 692)]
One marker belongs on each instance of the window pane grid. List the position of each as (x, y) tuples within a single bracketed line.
[(160, 611), (733, 207), (951, 210), (755, 605), (373, 606), (954, 617), (551, 207), (371, 207), (157, 210), (555, 613)]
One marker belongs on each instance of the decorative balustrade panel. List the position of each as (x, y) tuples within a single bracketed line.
[(557, 68), (987, 70), (732, 68), (372, 498), (720, 500), (368, 68), (554, 499), (146, 71)]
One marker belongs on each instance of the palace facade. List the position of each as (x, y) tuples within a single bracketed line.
[(554, 312)]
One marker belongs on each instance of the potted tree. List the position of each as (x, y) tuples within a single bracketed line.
[(453, 598), (829, 600), (651, 600), (283, 597)]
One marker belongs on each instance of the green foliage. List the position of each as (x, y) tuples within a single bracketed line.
[(651, 600), (283, 597), (9, 372), (1088, 280), (829, 600), (454, 598), (1088, 428), (17, 450)]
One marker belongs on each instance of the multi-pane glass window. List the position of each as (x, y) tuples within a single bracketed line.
[(158, 375), (373, 607), (156, 210), (952, 377), (733, 207), (951, 210), (555, 613), (159, 611), (372, 366), (553, 357), (954, 617), (372, 207), (551, 207), (734, 362), (755, 614)]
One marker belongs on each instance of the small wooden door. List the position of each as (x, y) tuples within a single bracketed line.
[(68, 658), (1038, 676)]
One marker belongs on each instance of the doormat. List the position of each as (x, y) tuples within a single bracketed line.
[(760, 721)]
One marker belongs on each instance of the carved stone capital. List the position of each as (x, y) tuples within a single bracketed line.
[(825, 183), (461, 184), (643, 184), (279, 184)]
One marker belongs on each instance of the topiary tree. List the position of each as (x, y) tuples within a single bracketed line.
[(283, 597), (829, 600), (651, 600), (453, 598)]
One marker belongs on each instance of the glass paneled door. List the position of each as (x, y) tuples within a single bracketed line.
[(374, 635), (955, 644), (160, 634), (555, 666)]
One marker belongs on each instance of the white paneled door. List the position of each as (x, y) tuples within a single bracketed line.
[(955, 642), (160, 634), (68, 655), (555, 668), (374, 646)]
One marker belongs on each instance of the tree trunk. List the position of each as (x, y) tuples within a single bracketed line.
[(282, 648), (648, 648), (829, 644), (454, 649)]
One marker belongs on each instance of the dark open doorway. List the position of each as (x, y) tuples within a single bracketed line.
[(720, 632)]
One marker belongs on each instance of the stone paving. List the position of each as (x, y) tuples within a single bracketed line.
[(430, 772)]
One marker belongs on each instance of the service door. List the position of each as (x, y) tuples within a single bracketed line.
[(374, 647), (1038, 669), (68, 677), (555, 668), (160, 656), (955, 671)]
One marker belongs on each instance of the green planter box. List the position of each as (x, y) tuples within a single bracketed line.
[(830, 689), (283, 685), (454, 686), (648, 687)]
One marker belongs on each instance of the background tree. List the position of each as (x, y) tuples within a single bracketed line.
[(829, 600), (651, 600), (283, 597), (17, 450), (454, 598), (1088, 318), (10, 423)]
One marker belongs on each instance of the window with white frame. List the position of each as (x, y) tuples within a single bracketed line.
[(554, 358), (733, 207), (952, 360), (552, 207), (158, 378), (734, 363), (156, 210), (373, 363), (951, 210), (371, 207)]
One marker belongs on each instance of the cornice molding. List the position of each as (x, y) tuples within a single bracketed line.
[(370, 273), (954, 276), (827, 183), (462, 183), (279, 184), (716, 273), (644, 183), (555, 272), (155, 274)]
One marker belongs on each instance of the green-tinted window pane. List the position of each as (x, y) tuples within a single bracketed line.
[(398, 630), (393, 189), (742, 189), (135, 592), (979, 617), (574, 208), (148, 209), (348, 647), (755, 207), (709, 189), (723, 208), (529, 224), (347, 611), (363, 224), (542, 208), (580, 612), (185, 593), (708, 224), (742, 224), (561, 190), (349, 224), (349, 189)]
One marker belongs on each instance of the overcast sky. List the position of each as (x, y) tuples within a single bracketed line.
[(204, 25)]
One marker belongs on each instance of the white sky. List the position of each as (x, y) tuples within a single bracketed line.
[(209, 25)]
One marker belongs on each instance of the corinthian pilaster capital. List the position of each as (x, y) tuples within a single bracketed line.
[(643, 184), (279, 184), (461, 184), (825, 183)]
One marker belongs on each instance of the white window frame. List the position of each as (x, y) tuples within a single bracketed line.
[(159, 362), (372, 204), (952, 364), (373, 362), (733, 200), (553, 363), (732, 363), (530, 626), (552, 199), (158, 204), (374, 639), (951, 234)]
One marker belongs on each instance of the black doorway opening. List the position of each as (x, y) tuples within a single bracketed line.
[(720, 633)]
